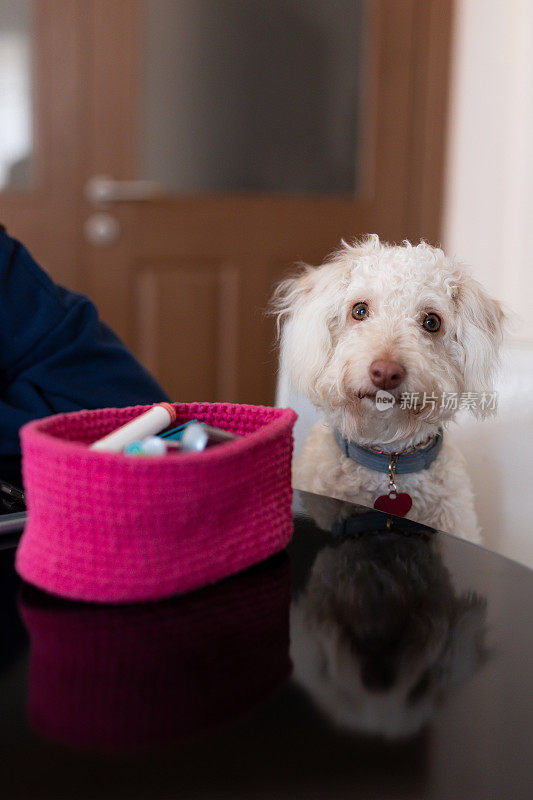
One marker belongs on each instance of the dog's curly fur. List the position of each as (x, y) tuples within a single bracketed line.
[(327, 354)]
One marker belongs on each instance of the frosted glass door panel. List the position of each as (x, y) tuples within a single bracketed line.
[(252, 95), (16, 112)]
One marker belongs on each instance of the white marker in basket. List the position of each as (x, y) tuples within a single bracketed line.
[(151, 422)]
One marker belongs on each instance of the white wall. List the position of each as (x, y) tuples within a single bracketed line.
[(489, 194), (489, 224)]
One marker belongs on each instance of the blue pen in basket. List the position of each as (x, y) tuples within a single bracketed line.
[(191, 437), (198, 435), (176, 433)]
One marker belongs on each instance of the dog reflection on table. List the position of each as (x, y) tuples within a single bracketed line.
[(379, 636)]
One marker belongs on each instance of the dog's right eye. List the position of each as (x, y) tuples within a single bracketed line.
[(431, 323), (360, 311)]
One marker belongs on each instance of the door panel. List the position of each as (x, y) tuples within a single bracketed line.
[(197, 303)]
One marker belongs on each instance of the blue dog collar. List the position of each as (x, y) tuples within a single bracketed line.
[(380, 462)]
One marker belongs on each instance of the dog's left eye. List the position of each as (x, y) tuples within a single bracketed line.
[(360, 311), (431, 323)]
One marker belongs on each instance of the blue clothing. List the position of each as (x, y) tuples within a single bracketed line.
[(55, 354)]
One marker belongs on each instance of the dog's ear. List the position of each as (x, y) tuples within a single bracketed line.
[(291, 291), (302, 315), (305, 340), (479, 331)]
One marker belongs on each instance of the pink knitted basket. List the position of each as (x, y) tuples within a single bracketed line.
[(112, 528)]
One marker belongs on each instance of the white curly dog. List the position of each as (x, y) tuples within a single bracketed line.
[(389, 341)]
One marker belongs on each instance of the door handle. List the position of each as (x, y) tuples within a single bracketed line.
[(101, 190)]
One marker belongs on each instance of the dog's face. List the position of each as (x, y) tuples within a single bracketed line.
[(399, 319)]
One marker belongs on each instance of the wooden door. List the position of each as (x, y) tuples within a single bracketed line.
[(184, 276)]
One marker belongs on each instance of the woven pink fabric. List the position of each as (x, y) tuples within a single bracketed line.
[(112, 528)]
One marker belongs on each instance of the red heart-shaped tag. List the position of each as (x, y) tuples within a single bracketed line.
[(398, 505)]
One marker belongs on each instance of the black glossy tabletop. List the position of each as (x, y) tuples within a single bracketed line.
[(373, 659)]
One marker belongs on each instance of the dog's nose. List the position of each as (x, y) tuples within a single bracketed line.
[(386, 374)]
